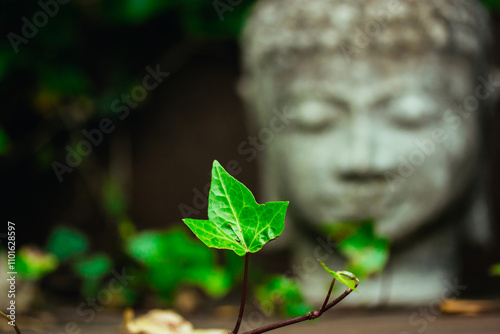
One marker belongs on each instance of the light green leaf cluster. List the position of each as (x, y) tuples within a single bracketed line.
[(235, 220)]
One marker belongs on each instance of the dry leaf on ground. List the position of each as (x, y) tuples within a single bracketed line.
[(161, 322)]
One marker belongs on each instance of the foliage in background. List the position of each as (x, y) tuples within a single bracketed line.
[(495, 270), (32, 263), (63, 80), (493, 5), (366, 253), (282, 295), (162, 261), (71, 247), (173, 259), (66, 76), (67, 243)]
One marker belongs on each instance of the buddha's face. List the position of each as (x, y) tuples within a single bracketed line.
[(373, 139)]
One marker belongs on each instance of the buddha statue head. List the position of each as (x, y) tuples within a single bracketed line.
[(388, 102)]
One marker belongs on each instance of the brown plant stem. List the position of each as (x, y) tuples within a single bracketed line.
[(18, 331), (322, 309), (243, 297), (307, 316)]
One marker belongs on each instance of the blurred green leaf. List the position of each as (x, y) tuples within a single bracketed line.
[(6, 58), (282, 294), (64, 80), (67, 243), (136, 11), (32, 263), (215, 281), (4, 142), (93, 266), (46, 156), (366, 253), (126, 229), (495, 270), (114, 197), (233, 264), (92, 269), (173, 259), (201, 18), (491, 4)]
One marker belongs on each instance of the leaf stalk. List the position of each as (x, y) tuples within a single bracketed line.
[(243, 297)]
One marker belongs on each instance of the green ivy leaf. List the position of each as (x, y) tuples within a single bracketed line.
[(345, 277), (235, 220), (66, 243)]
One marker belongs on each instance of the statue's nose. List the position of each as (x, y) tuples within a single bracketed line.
[(358, 163)]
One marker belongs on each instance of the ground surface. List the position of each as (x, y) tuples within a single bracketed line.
[(403, 321)]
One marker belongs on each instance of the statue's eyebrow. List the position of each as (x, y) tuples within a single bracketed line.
[(385, 100), (329, 97), (339, 101)]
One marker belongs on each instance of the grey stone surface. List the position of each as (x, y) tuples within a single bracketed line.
[(387, 105)]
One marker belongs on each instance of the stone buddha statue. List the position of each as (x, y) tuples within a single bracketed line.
[(389, 103)]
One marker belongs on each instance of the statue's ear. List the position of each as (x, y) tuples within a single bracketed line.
[(243, 88)]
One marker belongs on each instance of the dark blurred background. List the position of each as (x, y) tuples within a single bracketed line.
[(71, 66)]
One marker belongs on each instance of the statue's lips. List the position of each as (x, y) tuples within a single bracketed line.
[(352, 214), (354, 206), (361, 194), (350, 218)]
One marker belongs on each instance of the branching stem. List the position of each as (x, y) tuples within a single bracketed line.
[(308, 316), (322, 309)]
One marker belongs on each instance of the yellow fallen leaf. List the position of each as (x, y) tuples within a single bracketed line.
[(156, 322), (162, 322)]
